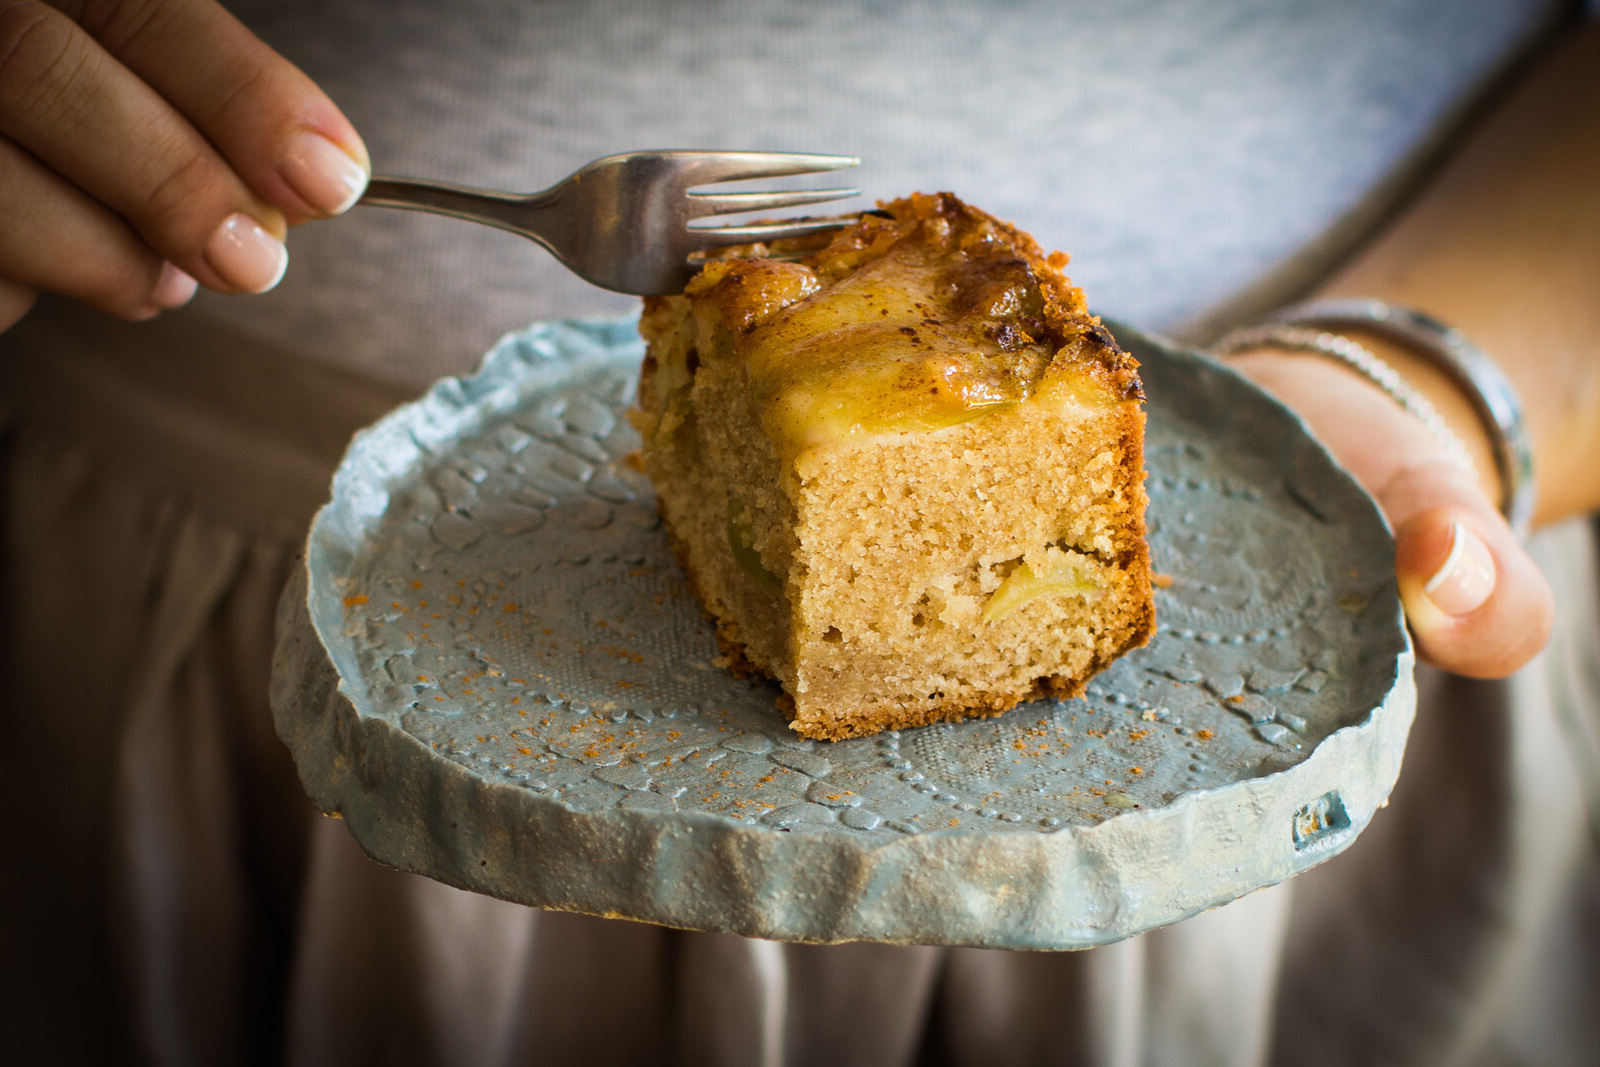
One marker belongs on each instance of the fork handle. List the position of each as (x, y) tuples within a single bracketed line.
[(505, 211)]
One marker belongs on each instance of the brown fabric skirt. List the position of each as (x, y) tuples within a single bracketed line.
[(172, 897)]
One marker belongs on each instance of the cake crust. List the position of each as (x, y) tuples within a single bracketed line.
[(902, 468)]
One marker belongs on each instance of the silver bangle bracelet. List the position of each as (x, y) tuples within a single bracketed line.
[(1493, 398), (1361, 359)]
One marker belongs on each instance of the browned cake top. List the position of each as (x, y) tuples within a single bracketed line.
[(926, 315)]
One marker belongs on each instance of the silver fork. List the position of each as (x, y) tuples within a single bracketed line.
[(624, 222)]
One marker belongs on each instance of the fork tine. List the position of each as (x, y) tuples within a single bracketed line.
[(770, 231), (703, 204), (704, 168)]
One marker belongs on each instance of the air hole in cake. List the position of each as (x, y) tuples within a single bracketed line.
[(1002, 570), (832, 635), (691, 360)]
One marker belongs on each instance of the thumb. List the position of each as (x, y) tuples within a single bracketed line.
[(1477, 604)]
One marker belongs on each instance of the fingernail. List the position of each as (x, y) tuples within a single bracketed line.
[(1466, 577), (322, 173), (247, 256), (173, 289)]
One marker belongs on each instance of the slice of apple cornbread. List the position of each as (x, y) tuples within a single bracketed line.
[(904, 472)]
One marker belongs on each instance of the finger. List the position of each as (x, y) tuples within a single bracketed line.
[(1477, 603), (271, 122), (15, 300), (64, 242), (83, 114)]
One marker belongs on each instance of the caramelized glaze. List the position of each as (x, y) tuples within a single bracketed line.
[(925, 316)]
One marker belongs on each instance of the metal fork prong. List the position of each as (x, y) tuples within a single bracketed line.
[(703, 204), (705, 168), (770, 231)]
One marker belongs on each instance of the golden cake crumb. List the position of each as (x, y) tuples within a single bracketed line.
[(903, 470)]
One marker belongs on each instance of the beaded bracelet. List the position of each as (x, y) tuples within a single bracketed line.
[(1493, 398)]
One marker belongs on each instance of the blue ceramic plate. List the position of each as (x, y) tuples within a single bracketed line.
[(492, 668)]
